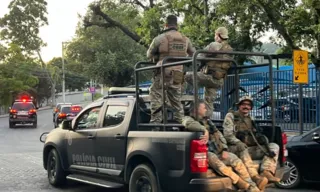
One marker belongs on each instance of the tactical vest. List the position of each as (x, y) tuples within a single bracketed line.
[(219, 69), (242, 127), (215, 139), (173, 44)]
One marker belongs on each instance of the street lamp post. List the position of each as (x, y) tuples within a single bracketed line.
[(63, 76)]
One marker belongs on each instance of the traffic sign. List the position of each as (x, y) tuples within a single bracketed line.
[(92, 89), (300, 67)]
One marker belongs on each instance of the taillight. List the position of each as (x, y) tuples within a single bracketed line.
[(62, 115), (55, 110), (13, 111), (32, 111), (198, 157), (284, 143)]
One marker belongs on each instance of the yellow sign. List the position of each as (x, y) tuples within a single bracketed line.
[(300, 67)]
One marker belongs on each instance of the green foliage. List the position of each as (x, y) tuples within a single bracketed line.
[(21, 25)]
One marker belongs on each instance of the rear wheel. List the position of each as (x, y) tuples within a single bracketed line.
[(143, 179), (35, 124), (56, 174), (294, 177)]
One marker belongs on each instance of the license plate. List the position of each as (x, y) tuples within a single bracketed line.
[(22, 113)]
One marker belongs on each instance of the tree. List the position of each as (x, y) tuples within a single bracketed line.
[(104, 53), (73, 79), (21, 26), (296, 22), (16, 74)]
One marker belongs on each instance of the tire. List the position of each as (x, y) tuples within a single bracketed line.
[(34, 125), (294, 178), (11, 125), (143, 174), (56, 174)]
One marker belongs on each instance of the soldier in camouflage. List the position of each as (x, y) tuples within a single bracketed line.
[(236, 126), (219, 157), (169, 43), (212, 75)]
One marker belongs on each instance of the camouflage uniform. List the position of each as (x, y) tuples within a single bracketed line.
[(215, 161), (253, 151), (211, 77), (169, 43)]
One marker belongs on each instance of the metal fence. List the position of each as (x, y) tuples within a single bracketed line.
[(285, 98)]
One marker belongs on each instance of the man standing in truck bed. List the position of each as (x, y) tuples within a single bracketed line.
[(237, 126), (212, 74), (219, 157), (170, 43)]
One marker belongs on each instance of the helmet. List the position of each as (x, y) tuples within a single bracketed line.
[(223, 32), (245, 98)]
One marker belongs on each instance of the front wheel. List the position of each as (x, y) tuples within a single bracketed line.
[(294, 177), (143, 179), (56, 174)]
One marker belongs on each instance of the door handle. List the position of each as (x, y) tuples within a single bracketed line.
[(119, 136), (90, 137)]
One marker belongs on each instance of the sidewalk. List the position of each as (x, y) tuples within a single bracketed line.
[(40, 109)]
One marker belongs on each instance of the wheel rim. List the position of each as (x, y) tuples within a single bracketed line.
[(143, 184), (52, 168), (293, 177)]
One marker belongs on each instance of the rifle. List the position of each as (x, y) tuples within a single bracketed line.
[(258, 138), (212, 131)]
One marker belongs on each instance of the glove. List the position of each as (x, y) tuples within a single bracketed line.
[(241, 146)]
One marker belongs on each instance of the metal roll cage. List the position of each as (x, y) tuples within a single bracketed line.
[(167, 62)]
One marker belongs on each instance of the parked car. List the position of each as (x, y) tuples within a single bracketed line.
[(303, 159)]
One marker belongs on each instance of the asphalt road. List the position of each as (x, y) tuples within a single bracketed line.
[(21, 168)]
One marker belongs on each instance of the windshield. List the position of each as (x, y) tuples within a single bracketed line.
[(23, 106), (66, 110)]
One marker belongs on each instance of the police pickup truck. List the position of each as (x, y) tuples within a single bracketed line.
[(103, 146)]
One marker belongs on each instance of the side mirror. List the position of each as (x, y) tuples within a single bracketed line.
[(43, 137), (66, 124), (315, 136)]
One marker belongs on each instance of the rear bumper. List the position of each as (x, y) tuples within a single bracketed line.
[(211, 184), (20, 120)]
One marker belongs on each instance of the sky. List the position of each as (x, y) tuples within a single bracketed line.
[(63, 19)]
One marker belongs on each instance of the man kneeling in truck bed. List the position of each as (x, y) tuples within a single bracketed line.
[(219, 157)]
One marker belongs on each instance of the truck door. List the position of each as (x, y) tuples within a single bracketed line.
[(111, 141), (309, 154), (81, 140)]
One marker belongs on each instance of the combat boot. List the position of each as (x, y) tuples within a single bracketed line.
[(242, 184), (260, 181), (253, 189), (270, 177)]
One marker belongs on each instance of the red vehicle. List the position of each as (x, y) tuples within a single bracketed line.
[(67, 112)]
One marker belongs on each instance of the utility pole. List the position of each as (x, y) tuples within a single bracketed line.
[(63, 76)]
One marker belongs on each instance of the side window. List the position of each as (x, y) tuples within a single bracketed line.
[(114, 115), (89, 119)]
